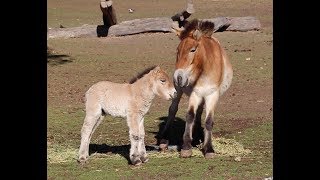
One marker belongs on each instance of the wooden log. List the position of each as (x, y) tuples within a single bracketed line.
[(141, 25), (243, 24), (163, 24), (74, 32)]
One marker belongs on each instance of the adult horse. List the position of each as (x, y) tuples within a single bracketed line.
[(203, 72)]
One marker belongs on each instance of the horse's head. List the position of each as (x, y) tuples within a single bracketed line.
[(190, 52), (162, 85)]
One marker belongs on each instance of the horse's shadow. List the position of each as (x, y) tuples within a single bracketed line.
[(175, 139), (176, 132)]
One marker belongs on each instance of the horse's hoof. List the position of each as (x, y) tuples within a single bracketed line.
[(137, 162), (209, 155), (185, 153), (164, 144), (163, 147)]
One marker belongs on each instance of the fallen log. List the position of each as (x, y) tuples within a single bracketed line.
[(163, 24)]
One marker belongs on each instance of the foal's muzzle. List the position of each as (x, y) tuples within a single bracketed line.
[(174, 95)]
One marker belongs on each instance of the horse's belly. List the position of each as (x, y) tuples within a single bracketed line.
[(205, 91)]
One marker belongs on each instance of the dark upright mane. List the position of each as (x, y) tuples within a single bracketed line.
[(205, 27), (141, 74)]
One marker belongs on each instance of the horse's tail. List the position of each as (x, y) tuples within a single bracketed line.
[(227, 73)]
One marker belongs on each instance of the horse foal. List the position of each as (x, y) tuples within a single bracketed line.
[(131, 101)]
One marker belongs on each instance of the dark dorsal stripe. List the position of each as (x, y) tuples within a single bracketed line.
[(141, 74)]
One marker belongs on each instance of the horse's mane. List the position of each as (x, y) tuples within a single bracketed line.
[(141, 74), (205, 27)]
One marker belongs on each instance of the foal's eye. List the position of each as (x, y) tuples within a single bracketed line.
[(163, 80)]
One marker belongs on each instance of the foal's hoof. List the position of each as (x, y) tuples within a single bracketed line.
[(209, 155), (82, 160), (137, 162), (185, 153), (144, 159), (163, 144)]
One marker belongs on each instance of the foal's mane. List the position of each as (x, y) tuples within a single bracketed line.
[(205, 27), (141, 74)]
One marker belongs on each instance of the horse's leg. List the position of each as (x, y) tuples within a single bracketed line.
[(93, 115), (210, 103), (194, 102), (141, 147), (164, 142), (197, 129), (133, 120)]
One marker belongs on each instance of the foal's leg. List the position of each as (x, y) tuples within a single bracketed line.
[(141, 146), (133, 120), (210, 103), (96, 125), (91, 121), (164, 142), (194, 102)]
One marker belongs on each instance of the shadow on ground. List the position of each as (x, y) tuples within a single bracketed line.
[(176, 131), (57, 59), (122, 150), (175, 139)]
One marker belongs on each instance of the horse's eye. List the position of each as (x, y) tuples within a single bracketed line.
[(193, 49), (163, 80)]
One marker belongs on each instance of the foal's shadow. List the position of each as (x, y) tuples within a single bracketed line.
[(122, 150)]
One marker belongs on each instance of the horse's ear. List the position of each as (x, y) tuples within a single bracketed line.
[(196, 34), (176, 29)]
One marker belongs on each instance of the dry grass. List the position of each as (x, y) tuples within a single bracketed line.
[(222, 146)]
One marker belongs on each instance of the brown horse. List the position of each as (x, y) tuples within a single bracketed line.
[(131, 101), (203, 72)]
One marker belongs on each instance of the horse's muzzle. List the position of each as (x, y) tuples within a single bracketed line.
[(181, 82), (180, 78)]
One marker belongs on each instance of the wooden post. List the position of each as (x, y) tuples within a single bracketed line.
[(180, 19), (108, 13)]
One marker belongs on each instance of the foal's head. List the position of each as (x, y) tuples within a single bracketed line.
[(191, 52), (162, 85)]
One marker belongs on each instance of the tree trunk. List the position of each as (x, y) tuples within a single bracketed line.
[(108, 13)]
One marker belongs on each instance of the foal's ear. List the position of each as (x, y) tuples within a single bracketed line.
[(157, 69)]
